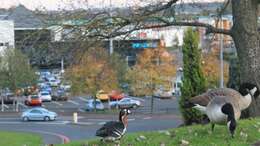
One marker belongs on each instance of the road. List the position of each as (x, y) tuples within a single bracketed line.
[(77, 104), (165, 115), (63, 129)]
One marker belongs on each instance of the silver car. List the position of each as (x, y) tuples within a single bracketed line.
[(38, 114), (126, 103)]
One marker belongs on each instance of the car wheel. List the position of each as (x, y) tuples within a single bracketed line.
[(46, 118), (25, 119), (134, 106)]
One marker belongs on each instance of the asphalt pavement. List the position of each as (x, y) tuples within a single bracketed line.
[(64, 130), (165, 115)]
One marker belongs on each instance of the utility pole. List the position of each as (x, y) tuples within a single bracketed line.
[(221, 56), (111, 49), (62, 65)]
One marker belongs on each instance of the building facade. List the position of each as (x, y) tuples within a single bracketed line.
[(6, 35)]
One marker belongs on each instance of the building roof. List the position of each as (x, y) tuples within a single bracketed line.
[(24, 18)]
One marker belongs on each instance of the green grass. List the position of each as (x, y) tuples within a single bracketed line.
[(19, 139), (247, 133)]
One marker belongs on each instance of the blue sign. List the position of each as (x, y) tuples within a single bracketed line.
[(143, 45)]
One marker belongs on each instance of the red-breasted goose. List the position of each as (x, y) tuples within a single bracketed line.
[(114, 130)]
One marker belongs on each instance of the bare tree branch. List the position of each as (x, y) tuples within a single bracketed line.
[(158, 8)]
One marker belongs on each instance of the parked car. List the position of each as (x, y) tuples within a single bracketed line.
[(33, 100), (163, 94), (90, 105), (54, 82), (116, 95), (126, 103), (45, 96), (46, 87), (65, 86), (60, 95), (102, 95), (38, 114)]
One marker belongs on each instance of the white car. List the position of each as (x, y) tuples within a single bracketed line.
[(65, 86), (126, 103), (38, 114), (45, 96), (163, 94), (54, 82)]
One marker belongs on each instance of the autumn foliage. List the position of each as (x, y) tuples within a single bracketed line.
[(154, 67), (211, 69), (93, 72)]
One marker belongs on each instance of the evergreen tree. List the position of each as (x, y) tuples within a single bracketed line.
[(234, 78), (194, 82)]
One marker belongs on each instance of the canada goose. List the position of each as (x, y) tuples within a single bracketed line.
[(243, 97), (224, 105), (114, 130), (221, 110)]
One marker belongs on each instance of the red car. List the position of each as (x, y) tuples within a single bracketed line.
[(33, 100), (116, 95)]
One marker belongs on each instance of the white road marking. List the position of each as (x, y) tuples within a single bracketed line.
[(53, 123), (147, 118), (41, 123), (55, 102), (73, 102), (83, 99), (10, 122), (85, 123), (6, 106), (101, 120), (9, 119), (81, 110), (101, 123)]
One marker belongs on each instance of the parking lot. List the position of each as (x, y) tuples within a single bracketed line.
[(78, 104)]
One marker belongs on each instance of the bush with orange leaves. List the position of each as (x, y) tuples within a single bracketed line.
[(95, 71), (154, 67), (211, 69)]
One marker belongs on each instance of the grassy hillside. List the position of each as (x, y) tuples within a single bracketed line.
[(247, 133), (19, 139)]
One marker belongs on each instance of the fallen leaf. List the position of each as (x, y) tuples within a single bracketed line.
[(184, 142)]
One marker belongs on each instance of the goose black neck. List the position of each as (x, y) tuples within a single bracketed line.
[(229, 111), (120, 118), (245, 88)]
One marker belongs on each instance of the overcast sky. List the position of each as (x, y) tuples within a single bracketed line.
[(70, 4)]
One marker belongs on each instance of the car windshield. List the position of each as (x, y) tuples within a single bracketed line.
[(34, 96), (125, 100), (97, 102), (45, 93), (43, 110)]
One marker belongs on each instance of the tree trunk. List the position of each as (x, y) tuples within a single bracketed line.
[(247, 42)]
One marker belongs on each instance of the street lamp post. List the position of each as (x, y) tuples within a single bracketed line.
[(111, 49), (221, 56)]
